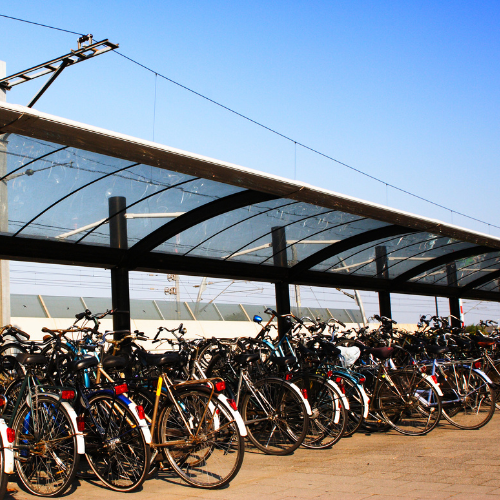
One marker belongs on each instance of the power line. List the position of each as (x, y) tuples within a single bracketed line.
[(43, 25), (309, 148)]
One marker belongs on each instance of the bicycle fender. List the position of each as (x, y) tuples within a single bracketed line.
[(80, 440), (235, 414), (434, 384), (8, 451), (142, 422), (366, 400), (297, 390), (342, 395), (486, 378)]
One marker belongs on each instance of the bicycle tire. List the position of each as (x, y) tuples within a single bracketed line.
[(4, 478), (410, 404), (115, 446), (329, 418), (475, 399), (45, 427), (494, 375), (276, 417), (356, 411), (213, 458), (9, 366)]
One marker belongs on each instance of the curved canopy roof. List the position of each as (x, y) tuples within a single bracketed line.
[(195, 215)]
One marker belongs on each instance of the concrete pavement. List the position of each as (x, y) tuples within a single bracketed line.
[(446, 464)]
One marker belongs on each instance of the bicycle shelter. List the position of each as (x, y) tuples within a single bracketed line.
[(75, 194)]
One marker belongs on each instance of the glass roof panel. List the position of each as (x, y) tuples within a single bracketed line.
[(245, 234), (66, 179), (467, 269), (492, 286), (361, 256)]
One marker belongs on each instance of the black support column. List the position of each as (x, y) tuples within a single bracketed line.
[(451, 272), (384, 298), (282, 289), (120, 296)]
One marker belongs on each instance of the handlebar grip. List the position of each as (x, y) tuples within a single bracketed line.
[(142, 337), (341, 324), (46, 330), (158, 333)]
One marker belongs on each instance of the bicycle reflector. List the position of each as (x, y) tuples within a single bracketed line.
[(477, 365), (140, 412), (232, 404), (220, 386), (121, 389), (11, 435), (304, 393), (80, 423), (68, 395), (433, 377), (3, 401), (288, 376), (362, 380)]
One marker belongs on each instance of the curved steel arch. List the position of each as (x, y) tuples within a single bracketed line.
[(201, 214), (347, 244), (440, 261), (480, 281)]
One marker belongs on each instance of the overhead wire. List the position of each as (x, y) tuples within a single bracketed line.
[(241, 115)]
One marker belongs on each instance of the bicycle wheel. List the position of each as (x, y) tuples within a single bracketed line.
[(355, 413), (468, 401), (9, 366), (410, 404), (275, 416), (146, 399), (114, 445), (494, 374), (4, 478), (328, 420), (207, 447), (47, 457)]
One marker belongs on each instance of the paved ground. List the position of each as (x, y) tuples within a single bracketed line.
[(448, 463)]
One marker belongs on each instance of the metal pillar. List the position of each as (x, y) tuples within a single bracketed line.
[(4, 218), (384, 298), (451, 276), (281, 289), (120, 296)]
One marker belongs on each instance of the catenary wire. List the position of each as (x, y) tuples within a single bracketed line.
[(309, 148)]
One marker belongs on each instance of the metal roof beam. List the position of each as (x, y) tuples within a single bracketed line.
[(441, 261), (347, 244), (480, 281), (193, 217)]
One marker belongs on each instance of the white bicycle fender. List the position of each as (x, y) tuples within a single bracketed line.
[(345, 402), (433, 383), (142, 423), (235, 413), (482, 374), (366, 401), (80, 440), (8, 451), (297, 390), (342, 395)]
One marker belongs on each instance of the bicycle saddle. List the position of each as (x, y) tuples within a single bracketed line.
[(284, 361), (436, 349), (246, 358), (32, 359), (381, 352), (80, 364), (114, 362), (168, 358)]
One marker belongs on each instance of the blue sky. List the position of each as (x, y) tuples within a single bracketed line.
[(405, 91)]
